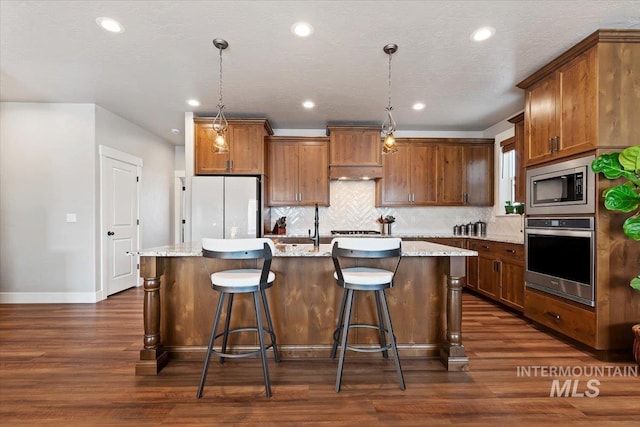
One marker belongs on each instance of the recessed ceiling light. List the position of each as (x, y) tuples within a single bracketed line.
[(193, 102), (308, 104), (482, 34), (302, 29), (110, 25), (418, 106), (175, 131)]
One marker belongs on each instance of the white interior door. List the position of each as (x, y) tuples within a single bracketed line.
[(119, 190)]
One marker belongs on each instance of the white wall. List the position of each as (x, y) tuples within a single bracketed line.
[(48, 169), (156, 192), (49, 166)]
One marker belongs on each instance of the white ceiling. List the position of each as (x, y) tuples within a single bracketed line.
[(53, 51)]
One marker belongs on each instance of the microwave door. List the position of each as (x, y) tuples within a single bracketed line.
[(550, 190)]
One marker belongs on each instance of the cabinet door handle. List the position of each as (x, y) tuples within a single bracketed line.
[(552, 314), (511, 251), (551, 145), (557, 143), (485, 247), (299, 197)]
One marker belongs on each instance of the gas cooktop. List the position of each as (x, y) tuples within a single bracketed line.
[(354, 232)]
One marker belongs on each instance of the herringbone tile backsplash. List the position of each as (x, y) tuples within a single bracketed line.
[(353, 208)]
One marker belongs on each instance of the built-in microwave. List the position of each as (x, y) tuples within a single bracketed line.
[(566, 187)]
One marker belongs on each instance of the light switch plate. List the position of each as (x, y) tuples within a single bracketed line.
[(71, 217)]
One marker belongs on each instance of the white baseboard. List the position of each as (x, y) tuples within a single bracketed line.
[(50, 297)]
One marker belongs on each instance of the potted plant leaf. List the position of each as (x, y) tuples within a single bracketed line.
[(624, 197)]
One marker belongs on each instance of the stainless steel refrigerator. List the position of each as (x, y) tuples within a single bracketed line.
[(225, 207)]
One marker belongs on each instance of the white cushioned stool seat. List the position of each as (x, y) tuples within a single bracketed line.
[(241, 277), (365, 275)]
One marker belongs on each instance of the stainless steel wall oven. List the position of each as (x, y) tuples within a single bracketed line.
[(560, 257)]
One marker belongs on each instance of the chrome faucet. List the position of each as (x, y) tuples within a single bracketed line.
[(316, 234)]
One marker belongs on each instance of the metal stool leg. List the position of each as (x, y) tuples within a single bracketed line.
[(205, 368), (392, 337), (226, 328), (270, 325), (336, 333), (383, 339), (263, 353), (345, 333)]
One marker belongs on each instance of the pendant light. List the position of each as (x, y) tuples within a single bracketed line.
[(220, 121), (389, 145)]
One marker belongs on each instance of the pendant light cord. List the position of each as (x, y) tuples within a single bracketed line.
[(220, 101), (389, 105)]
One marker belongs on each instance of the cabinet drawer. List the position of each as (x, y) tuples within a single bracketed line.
[(564, 317), (510, 251), (498, 250)]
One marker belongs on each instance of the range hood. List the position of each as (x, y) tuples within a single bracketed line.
[(355, 152), (355, 173)]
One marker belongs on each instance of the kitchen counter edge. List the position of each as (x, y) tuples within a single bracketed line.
[(409, 248)]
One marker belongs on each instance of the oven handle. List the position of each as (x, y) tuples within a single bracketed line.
[(559, 232)]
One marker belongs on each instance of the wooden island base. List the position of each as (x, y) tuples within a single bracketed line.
[(425, 306)]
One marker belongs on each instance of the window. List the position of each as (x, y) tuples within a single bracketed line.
[(508, 171)]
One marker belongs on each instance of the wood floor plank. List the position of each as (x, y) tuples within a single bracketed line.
[(73, 365)]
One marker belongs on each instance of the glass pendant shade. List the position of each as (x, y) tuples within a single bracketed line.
[(220, 128), (389, 145), (220, 124)]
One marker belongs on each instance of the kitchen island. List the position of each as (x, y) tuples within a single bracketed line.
[(425, 303)]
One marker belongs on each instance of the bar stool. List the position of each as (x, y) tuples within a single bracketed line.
[(365, 279), (239, 281)]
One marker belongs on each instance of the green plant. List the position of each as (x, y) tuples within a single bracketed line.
[(623, 197), (509, 208)]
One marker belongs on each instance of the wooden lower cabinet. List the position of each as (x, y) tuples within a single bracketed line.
[(498, 271), (569, 318)]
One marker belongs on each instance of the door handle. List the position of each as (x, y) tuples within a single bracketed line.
[(110, 233)]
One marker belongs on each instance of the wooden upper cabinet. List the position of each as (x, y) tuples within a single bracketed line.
[(437, 172), (561, 110), (584, 99), (521, 171), (578, 105), (355, 151), (313, 178), (410, 176), (465, 174), (479, 175), (247, 152), (298, 171), (452, 188)]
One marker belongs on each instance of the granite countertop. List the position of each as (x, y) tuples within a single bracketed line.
[(409, 248), (492, 237)]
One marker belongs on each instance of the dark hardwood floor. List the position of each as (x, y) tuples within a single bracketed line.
[(73, 364)]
